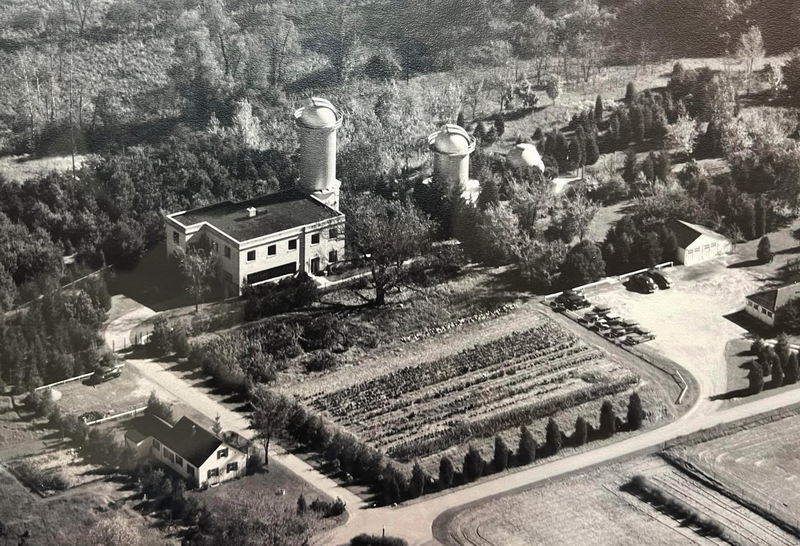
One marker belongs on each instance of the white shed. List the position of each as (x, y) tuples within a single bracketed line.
[(698, 243)]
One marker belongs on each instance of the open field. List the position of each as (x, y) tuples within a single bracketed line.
[(126, 392), (760, 465), (14, 431), (488, 388), (22, 168), (608, 513), (64, 462)]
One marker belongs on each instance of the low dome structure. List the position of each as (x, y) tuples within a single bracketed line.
[(525, 155), (452, 140), (317, 114)]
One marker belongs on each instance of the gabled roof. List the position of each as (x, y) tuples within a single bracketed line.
[(687, 233), (186, 438), (775, 298), (274, 212)]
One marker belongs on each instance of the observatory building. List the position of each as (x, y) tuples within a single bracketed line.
[(525, 155), (278, 234), (451, 146)]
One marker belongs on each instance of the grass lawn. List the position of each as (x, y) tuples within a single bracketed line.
[(20, 168)]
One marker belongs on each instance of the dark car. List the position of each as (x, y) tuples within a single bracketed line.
[(106, 373), (660, 279), (642, 283)]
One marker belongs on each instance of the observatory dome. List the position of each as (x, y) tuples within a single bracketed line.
[(525, 155)]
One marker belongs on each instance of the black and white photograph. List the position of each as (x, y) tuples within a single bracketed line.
[(399, 272)]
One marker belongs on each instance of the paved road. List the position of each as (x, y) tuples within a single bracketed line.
[(414, 521)]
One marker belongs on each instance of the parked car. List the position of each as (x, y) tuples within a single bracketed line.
[(642, 283), (602, 309), (577, 302), (585, 321), (105, 373), (91, 416), (630, 324), (660, 279)]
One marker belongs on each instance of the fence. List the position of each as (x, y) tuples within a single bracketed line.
[(69, 380), (608, 280), (132, 413)]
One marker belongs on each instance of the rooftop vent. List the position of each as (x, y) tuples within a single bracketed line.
[(251, 212)]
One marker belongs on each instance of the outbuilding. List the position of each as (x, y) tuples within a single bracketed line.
[(697, 243), (763, 305)]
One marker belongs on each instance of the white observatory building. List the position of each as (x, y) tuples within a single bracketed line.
[(272, 236), (451, 147), (525, 155)]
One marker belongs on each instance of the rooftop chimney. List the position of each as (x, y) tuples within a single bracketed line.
[(251, 212)]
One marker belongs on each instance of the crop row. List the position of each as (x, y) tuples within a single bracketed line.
[(477, 317)]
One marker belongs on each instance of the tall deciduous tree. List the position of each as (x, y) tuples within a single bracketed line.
[(750, 50), (386, 234), (198, 265), (584, 263), (270, 415)]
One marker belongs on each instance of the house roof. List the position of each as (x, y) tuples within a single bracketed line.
[(687, 233), (186, 438), (274, 212), (774, 298)]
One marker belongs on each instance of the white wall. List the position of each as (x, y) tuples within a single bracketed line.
[(762, 314), (702, 249), (222, 465)]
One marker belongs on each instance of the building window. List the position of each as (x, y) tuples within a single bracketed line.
[(213, 473), (763, 311), (272, 250), (315, 239), (190, 470), (333, 233), (156, 445), (293, 244), (178, 460), (176, 238), (333, 256), (769, 314), (227, 252), (251, 255), (222, 453), (215, 246), (233, 467)]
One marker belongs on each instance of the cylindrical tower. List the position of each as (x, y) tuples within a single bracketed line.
[(451, 146), (525, 155), (317, 123)]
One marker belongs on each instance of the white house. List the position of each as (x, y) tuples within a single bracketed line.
[(187, 448), (279, 234), (762, 305), (697, 243)]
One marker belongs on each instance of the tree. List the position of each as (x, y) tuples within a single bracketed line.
[(682, 135), (446, 472), (630, 93), (198, 265), (584, 264), (750, 51), (553, 88), (764, 251), (792, 369), (761, 217), (608, 420), (160, 341), (302, 506), (216, 428), (489, 194), (598, 109), (581, 434), (635, 412), (526, 452), (552, 437), (501, 454), (158, 408), (592, 154), (270, 415), (417, 483), (777, 374), (386, 234), (499, 126), (756, 378), (473, 464)]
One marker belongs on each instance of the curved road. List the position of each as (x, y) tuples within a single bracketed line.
[(414, 521)]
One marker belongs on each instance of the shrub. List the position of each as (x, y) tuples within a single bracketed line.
[(321, 361), (581, 434), (416, 487), (764, 251), (756, 379), (526, 453), (158, 408), (792, 370), (160, 341), (607, 420), (501, 454), (446, 473), (287, 294), (375, 540), (552, 435), (777, 374), (328, 509), (635, 412), (473, 464), (41, 480)]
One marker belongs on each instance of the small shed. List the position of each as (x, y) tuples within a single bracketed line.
[(697, 243)]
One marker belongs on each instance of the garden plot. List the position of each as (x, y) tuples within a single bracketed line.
[(62, 466), (424, 409), (760, 465)]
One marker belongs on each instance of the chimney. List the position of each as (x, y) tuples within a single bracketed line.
[(251, 212), (317, 123)]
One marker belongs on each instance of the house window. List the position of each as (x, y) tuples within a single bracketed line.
[(315, 239), (178, 460), (333, 256), (190, 470), (156, 445), (233, 467), (769, 314), (215, 246), (176, 238), (272, 250), (763, 311), (293, 244), (251, 255), (222, 453), (227, 252), (213, 473), (333, 233)]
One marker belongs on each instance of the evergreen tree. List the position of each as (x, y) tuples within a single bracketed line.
[(648, 169), (608, 421), (756, 378), (747, 221), (552, 436), (760, 217), (598, 109), (581, 435), (501, 454), (583, 264), (446, 472), (662, 166), (216, 427), (637, 124), (614, 131), (625, 129), (460, 120), (669, 244), (792, 369), (473, 464), (499, 126), (592, 154), (526, 452), (561, 151), (764, 251), (302, 506), (635, 412), (490, 194), (630, 170), (416, 487), (575, 155), (630, 93), (777, 374)]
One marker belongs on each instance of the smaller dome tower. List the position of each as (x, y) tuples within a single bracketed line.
[(317, 123), (525, 155), (451, 146)]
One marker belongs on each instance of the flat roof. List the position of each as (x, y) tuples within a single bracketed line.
[(275, 212)]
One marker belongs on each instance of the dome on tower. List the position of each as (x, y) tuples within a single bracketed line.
[(317, 114), (453, 140), (525, 155)]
